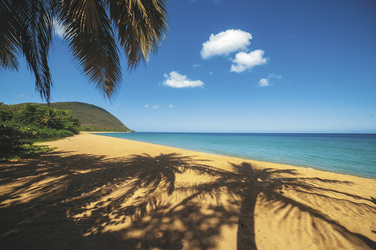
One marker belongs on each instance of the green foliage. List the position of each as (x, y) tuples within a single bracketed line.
[(27, 114), (92, 118), (46, 119), (24, 152), (64, 133), (49, 118), (20, 126), (51, 133), (86, 117), (5, 113), (88, 128), (13, 137)]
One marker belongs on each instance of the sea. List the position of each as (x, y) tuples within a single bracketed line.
[(353, 154)]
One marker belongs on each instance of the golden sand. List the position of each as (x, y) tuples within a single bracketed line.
[(97, 192)]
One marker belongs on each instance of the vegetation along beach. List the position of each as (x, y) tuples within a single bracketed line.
[(189, 124)]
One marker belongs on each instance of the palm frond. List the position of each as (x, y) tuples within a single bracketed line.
[(9, 45), (25, 26), (8, 52), (91, 40), (141, 25)]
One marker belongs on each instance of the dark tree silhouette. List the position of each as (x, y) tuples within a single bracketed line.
[(26, 28)]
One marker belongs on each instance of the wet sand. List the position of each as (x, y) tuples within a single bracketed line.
[(97, 192)]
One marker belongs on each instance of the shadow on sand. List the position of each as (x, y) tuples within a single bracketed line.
[(92, 202)]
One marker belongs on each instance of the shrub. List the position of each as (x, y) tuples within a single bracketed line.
[(64, 133), (13, 137), (47, 133)]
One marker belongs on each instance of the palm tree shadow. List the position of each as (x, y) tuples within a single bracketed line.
[(165, 227), (90, 194), (136, 202), (147, 185), (249, 183)]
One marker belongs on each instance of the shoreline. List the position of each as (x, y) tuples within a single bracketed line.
[(109, 193), (256, 160)]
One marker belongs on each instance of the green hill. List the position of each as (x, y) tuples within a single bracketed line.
[(92, 118)]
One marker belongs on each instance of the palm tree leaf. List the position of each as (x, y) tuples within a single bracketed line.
[(141, 26), (91, 41), (26, 27), (8, 52), (9, 45)]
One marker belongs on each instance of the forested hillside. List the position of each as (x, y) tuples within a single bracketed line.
[(92, 118)]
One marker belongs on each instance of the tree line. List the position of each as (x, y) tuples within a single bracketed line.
[(20, 127)]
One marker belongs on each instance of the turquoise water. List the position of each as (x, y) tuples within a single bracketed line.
[(353, 154)]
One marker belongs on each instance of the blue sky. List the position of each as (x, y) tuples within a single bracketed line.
[(238, 66)]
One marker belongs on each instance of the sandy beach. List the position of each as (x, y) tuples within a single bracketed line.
[(97, 192)]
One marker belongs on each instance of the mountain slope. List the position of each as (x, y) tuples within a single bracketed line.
[(91, 117)]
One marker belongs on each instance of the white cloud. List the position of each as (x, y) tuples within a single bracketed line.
[(264, 82), (152, 107), (225, 43), (175, 80), (244, 61), (196, 65), (171, 106), (274, 76), (59, 28)]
